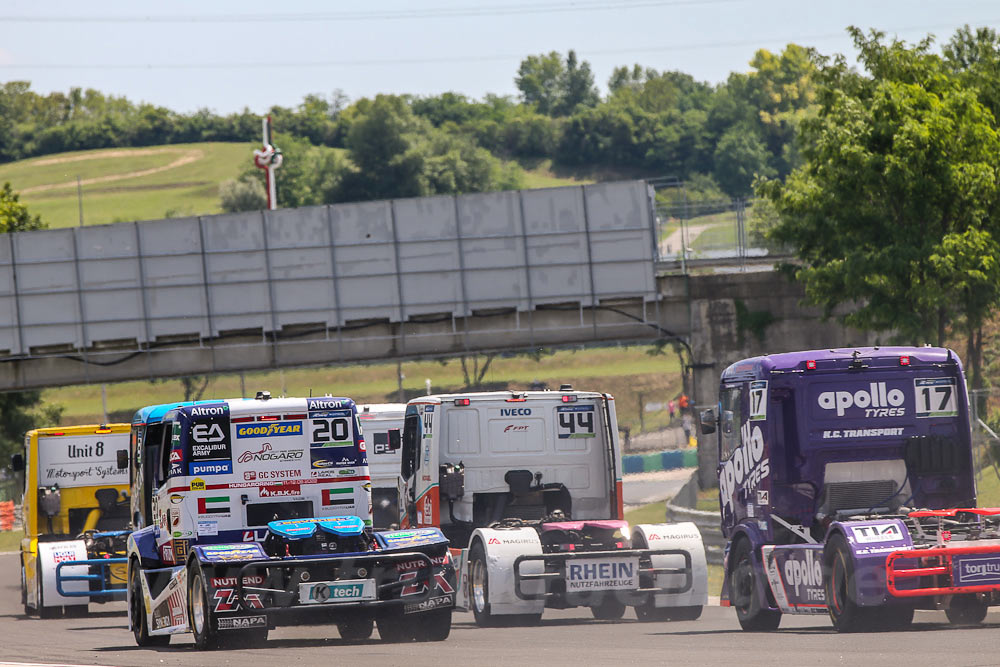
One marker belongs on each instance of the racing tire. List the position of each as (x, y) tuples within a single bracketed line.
[(199, 609), (356, 629), (838, 584), (752, 611), (479, 587), (394, 628), (433, 626), (137, 612), (966, 610), (28, 611), (610, 608), (43, 611)]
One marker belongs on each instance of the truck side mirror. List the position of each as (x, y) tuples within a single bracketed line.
[(406, 465), (394, 439), (122, 459), (708, 421), (17, 462)]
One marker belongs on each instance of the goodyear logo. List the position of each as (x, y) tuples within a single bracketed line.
[(268, 430)]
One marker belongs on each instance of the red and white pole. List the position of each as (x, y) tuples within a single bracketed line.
[(268, 158)]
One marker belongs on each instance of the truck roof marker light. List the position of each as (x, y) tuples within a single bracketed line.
[(269, 418), (240, 420), (296, 416), (904, 360), (102, 429), (462, 401), (516, 399), (811, 365), (569, 398)]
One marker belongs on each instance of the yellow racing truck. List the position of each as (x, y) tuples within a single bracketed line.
[(76, 518)]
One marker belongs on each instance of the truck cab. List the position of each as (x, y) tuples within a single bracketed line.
[(258, 512), (383, 425), (527, 487), (829, 460), (75, 509)]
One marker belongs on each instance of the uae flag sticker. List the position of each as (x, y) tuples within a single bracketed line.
[(213, 505), (338, 496)]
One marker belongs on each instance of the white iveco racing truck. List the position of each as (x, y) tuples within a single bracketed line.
[(531, 483), (382, 424)]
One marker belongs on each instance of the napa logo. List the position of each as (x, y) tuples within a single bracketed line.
[(268, 430)]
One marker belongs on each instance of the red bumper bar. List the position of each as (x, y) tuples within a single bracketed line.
[(944, 567)]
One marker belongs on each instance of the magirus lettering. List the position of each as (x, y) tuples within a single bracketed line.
[(877, 396)]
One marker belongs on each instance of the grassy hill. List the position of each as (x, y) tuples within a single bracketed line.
[(125, 184), (628, 373)]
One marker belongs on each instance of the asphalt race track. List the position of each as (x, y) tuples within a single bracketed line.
[(564, 638)]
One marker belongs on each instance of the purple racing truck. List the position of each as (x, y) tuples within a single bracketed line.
[(846, 486)]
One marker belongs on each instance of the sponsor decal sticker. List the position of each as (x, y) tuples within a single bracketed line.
[(242, 622), (214, 505), (575, 421), (972, 570), (594, 574), (280, 490), (269, 429), (343, 496), (887, 532), (211, 468), (208, 528), (267, 453), (197, 484), (877, 400)]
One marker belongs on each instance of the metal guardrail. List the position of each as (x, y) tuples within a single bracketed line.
[(710, 526)]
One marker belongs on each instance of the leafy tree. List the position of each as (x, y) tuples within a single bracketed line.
[(540, 79), (894, 209), (21, 411), (576, 86), (14, 216), (740, 156), (245, 194)]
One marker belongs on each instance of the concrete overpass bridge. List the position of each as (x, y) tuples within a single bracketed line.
[(377, 281)]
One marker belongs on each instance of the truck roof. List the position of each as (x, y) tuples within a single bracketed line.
[(87, 429), (153, 414), (384, 410), (479, 396), (839, 359)]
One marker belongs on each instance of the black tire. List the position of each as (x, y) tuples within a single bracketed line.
[(433, 626), (610, 608), (137, 611), (966, 610), (28, 611), (43, 611), (479, 589), (356, 629), (394, 628), (199, 609), (838, 584), (752, 611)]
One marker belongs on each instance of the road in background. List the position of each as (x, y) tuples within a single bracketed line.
[(642, 488)]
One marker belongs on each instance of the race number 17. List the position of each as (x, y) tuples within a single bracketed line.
[(935, 397)]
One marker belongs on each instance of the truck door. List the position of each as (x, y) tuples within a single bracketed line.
[(408, 466), (730, 419)]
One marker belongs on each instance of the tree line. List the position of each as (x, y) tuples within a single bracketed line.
[(648, 123)]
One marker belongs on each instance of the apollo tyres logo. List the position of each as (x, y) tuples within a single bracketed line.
[(877, 401), (268, 429)]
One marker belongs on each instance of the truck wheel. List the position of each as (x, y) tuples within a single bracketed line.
[(28, 611), (43, 611), (394, 628), (479, 587), (433, 626), (966, 610), (356, 629), (610, 608), (838, 583), (751, 611), (137, 612), (199, 609)]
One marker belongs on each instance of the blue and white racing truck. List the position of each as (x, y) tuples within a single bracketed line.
[(846, 486), (257, 512)]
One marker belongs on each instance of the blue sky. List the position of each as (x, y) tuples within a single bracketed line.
[(228, 54)]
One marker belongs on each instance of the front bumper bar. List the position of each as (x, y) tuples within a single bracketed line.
[(102, 577), (895, 573), (560, 560)]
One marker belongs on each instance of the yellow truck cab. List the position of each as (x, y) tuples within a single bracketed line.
[(76, 518)]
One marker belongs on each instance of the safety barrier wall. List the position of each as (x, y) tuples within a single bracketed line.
[(121, 285)]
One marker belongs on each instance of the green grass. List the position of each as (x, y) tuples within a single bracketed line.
[(189, 189), (988, 488), (628, 373), (10, 540)]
